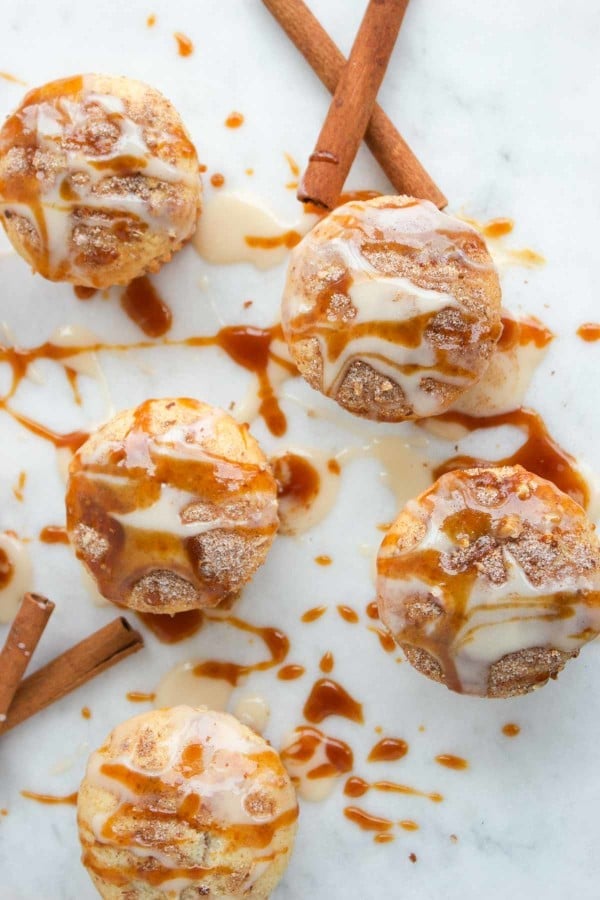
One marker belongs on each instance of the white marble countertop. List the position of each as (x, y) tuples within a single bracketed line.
[(498, 101)]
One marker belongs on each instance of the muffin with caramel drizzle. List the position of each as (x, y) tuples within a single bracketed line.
[(490, 581), (171, 506), (186, 803), (99, 180), (391, 308)]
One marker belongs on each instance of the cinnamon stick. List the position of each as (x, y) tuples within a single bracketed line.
[(352, 104), (82, 662), (22, 639), (389, 148)]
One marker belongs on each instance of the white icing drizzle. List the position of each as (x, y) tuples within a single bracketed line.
[(499, 618), (15, 557), (375, 296), (231, 772)]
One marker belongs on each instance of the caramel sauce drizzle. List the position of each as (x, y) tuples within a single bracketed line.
[(288, 239), (328, 698), (589, 331), (522, 331), (6, 76), (144, 306), (539, 453), (348, 614), (276, 642), (54, 534), (511, 730), (367, 821), (311, 615), (297, 479), (185, 46), (496, 228), (247, 346), (323, 560), (86, 712), (140, 696), (234, 120), (372, 608), (84, 293), (176, 628), (358, 787), (19, 487), (452, 762), (50, 799), (6, 569), (309, 742), (386, 640), (294, 167), (388, 750), (327, 662), (291, 672)]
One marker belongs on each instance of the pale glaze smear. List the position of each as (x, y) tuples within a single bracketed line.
[(486, 564), (237, 228), (171, 506), (397, 286), (503, 387), (187, 798), (92, 167), (15, 574), (181, 685)]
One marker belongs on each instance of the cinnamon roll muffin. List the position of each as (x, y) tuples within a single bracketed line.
[(99, 180), (391, 308), (171, 506), (186, 803), (490, 581)]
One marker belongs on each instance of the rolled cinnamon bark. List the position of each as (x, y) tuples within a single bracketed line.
[(389, 148), (22, 639), (73, 668)]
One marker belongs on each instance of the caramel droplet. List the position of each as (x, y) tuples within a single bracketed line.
[(452, 762), (510, 729), (589, 331), (388, 750), (234, 120), (184, 45)]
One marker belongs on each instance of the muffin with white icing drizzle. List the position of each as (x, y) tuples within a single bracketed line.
[(490, 581), (171, 506), (99, 180), (186, 803), (391, 308)]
